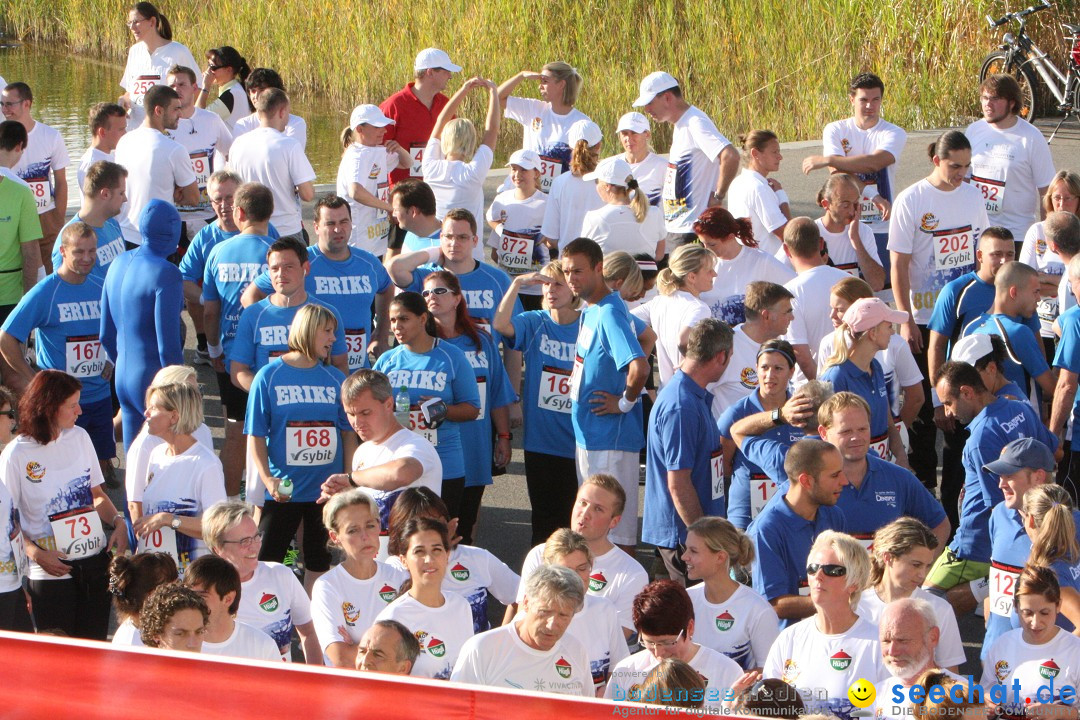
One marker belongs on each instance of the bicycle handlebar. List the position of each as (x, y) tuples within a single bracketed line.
[(1019, 15)]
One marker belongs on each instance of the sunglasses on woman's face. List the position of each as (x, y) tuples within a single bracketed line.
[(829, 570), (435, 291)]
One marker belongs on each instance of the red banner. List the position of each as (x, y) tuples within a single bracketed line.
[(49, 677)]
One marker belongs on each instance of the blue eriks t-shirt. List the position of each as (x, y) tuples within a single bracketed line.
[(442, 372), (682, 436), (483, 288), (230, 268), (871, 387), (961, 301), (606, 344), (68, 322), (887, 492), (263, 333), (300, 414), (549, 356), (110, 243), (494, 391), (1024, 356), (349, 285), (193, 264), (1068, 349)]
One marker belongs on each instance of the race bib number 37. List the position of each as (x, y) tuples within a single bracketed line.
[(953, 249)]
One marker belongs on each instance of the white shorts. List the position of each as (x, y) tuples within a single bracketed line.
[(624, 466)]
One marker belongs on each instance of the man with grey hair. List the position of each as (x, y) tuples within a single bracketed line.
[(533, 652), (390, 458), (909, 635), (387, 647), (1062, 230), (684, 478)]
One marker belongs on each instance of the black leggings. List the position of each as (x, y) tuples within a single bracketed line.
[(552, 483), (471, 497), (78, 606), (13, 613), (453, 494), (279, 523)]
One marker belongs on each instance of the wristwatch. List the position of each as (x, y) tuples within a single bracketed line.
[(777, 419), (175, 524)]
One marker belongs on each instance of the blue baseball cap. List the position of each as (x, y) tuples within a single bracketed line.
[(1019, 454)]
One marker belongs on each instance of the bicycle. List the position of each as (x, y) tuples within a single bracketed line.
[(1020, 57)]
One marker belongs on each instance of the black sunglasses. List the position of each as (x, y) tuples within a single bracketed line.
[(8, 413), (829, 570)]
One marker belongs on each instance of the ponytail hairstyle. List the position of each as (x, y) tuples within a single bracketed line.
[(948, 142), (685, 260), (582, 158), (567, 72), (755, 140), (844, 339), (414, 303), (717, 222), (719, 534), (1038, 580), (851, 289), (462, 320), (1050, 508), (639, 201), (620, 265), (348, 137), (132, 578), (230, 57), (897, 539), (150, 12)]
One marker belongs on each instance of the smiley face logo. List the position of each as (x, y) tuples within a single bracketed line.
[(861, 693)]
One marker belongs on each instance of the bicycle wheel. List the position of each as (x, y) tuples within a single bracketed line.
[(1032, 104)]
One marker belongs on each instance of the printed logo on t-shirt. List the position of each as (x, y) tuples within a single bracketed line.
[(887, 497), (597, 582), (268, 602), (459, 572), (845, 144), (433, 646), (34, 472), (748, 377), (537, 123), (387, 593), (374, 174), (563, 667), (724, 621), (1001, 670), (351, 613), (929, 222), (1049, 669), (840, 661), (791, 671)]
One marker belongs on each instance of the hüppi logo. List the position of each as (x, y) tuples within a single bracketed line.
[(563, 668), (724, 621), (387, 593), (1049, 669), (840, 661), (597, 582), (459, 572), (436, 647), (269, 602)]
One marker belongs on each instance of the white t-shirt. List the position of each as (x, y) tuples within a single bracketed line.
[(615, 576), (368, 167), (886, 709), (743, 628), (1012, 659), (45, 153), (276, 160), (1008, 167), (940, 231), (185, 485), (521, 230), (207, 140), (649, 174), (750, 196), (897, 362), (596, 626), (144, 70), (950, 649), (546, 132), (667, 315), (569, 201), (740, 377), (138, 458), (339, 600), (693, 169), (127, 635), (156, 166), (725, 299), (719, 671), (12, 551), (245, 642), (812, 289), (274, 601), (842, 254), (805, 657), (1036, 252), (456, 184), (614, 227), (91, 156), (296, 129), (442, 632), (845, 138), (54, 483), (500, 658)]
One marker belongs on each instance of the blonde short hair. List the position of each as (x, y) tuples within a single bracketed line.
[(181, 398), (459, 138), (343, 500), (309, 320), (221, 517), (564, 541), (852, 555)]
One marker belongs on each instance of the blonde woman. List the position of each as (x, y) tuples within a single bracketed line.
[(1050, 522), (731, 618), (1062, 195), (678, 307), (900, 557), (837, 570), (455, 165), (570, 196), (753, 195), (623, 275), (865, 331), (626, 221), (183, 477), (635, 135)]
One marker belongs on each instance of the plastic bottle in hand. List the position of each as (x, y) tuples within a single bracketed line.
[(401, 406), (285, 488)]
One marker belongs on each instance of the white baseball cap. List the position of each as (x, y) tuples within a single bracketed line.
[(434, 58), (368, 115), (654, 84), (585, 130), (527, 159), (613, 170), (634, 122), (972, 348)]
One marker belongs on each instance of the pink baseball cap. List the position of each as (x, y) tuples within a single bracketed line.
[(867, 313)]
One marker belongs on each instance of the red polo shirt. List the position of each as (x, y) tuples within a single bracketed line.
[(414, 123)]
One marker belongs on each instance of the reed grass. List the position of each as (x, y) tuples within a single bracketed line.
[(748, 63)]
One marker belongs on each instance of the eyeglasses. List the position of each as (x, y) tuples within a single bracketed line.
[(246, 542), (11, 103), (435, 291), (829, 570), (8, 413), (133, 23), (650, 645), (222, 201), (1062, 198), (463, 237)]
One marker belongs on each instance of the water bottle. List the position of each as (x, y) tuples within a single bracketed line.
[(401, 406), (285, 488)]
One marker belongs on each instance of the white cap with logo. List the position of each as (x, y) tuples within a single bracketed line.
[(368, 115), (526, 159), (613, 170), (434, 58), (634, 122), (654, 84)]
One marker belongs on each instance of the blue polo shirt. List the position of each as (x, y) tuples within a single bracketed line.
[(1024, 359), (782, 541), (961, 301), (548, 352), (1011, 391), (682, 436), (231, 266), (870, 386), (1009, 550), (1068, 349), (606, 345), (768, 452), (263, 332), (999, 423), (887, 492), (110, 243)]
